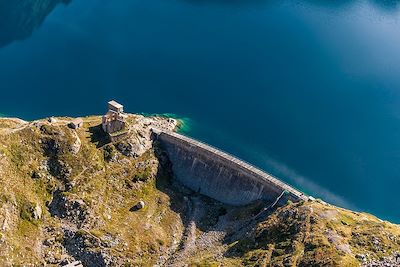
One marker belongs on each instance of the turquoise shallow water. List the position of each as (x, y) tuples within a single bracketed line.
[(307, 90)]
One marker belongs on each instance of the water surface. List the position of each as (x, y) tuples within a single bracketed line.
[(307, 90)]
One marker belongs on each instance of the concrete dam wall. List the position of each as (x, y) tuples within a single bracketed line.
[(219, 175)]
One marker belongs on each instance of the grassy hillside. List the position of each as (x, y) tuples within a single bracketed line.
[(85, 194), (70, 195)]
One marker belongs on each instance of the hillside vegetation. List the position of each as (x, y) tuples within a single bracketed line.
[(71, 195)]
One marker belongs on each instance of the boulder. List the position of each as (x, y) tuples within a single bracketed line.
[(37, 212), (128, 149), (140, 205), (76, 146)]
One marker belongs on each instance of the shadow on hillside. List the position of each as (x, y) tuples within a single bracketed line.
[(206, 214), (98, 136), (191, 206)]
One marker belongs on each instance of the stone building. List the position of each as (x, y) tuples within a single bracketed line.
[(114, 122), (76, 123)]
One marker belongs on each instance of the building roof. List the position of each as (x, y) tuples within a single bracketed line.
[(115, 104), (77, 121)]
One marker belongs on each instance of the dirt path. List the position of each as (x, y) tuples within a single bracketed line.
[(21, 125), (188, 241)]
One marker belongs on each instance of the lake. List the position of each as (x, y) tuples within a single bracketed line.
[(307, 90)]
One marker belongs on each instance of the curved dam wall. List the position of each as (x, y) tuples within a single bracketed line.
[(219, 175)]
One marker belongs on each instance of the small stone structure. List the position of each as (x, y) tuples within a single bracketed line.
[(76, 123), (114, 122)]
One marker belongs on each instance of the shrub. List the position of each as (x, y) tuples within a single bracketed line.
[(109, 152)]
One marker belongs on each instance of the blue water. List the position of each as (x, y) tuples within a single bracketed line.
[(307, 90)]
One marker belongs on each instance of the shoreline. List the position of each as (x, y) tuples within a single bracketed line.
[(184, 123), (183, 127)]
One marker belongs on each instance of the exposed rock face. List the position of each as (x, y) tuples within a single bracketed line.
[(76, 145), (389, 261), (139, 141), (7, 216), (128, 149), (59, 169), (80, 246), (37, 212), (73, 210)]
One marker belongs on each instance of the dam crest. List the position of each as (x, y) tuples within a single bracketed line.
[(219, 175)]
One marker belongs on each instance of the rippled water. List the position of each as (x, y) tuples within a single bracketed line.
[(308, 90)]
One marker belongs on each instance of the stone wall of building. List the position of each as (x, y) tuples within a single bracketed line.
[(114, 126)]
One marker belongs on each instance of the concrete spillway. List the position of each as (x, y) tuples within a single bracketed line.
[(219, 175)]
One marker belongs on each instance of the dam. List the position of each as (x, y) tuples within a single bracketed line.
[(219, 175)]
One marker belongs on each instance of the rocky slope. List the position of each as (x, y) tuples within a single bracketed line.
[(69, 195)]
